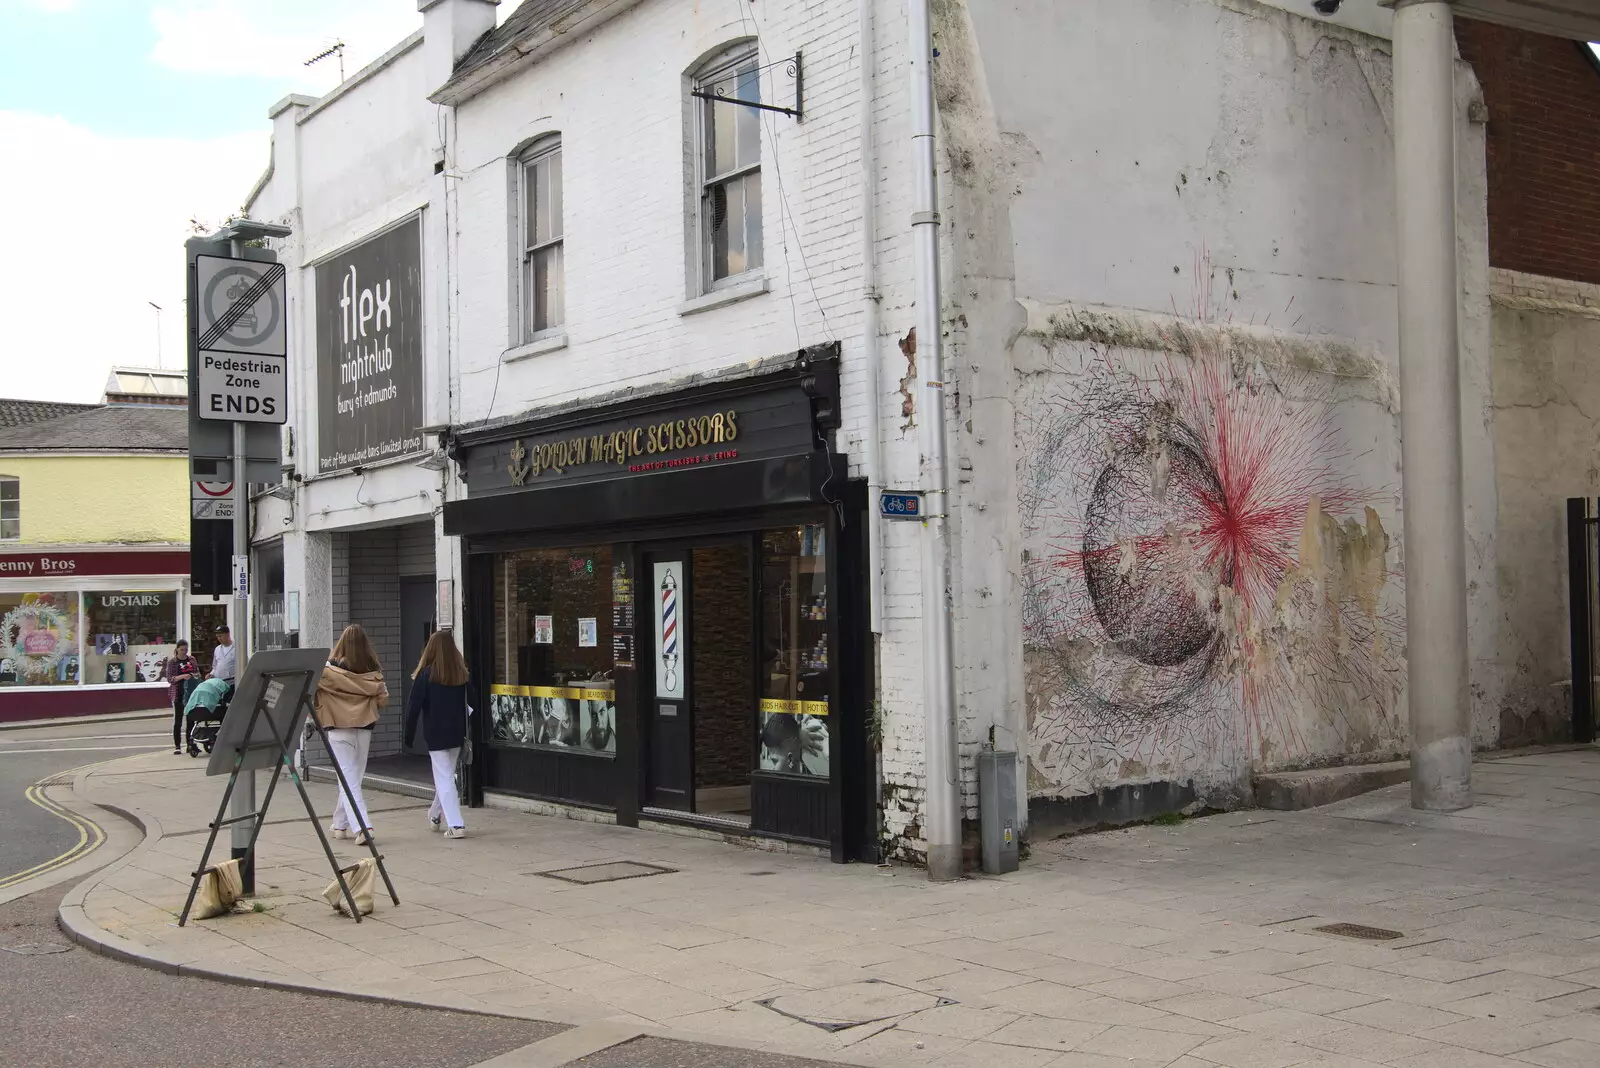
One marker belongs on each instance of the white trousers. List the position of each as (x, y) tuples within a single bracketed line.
[(445, 799), (350, 748)]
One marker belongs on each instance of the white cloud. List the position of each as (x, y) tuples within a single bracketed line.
[(275, 39), (95, 230)]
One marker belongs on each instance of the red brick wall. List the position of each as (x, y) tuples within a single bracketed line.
[(1543, 95)]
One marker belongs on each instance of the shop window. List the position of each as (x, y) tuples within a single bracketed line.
[(553, 651), (543, 240), (39, 639), (268, 599), (127, 633), (796, 658), (729, 166), (10, 508)]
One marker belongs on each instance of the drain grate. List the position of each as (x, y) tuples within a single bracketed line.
[(36, 949), (1361, 931), (614, 871)]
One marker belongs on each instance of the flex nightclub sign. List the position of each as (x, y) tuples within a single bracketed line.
[(369, 350)]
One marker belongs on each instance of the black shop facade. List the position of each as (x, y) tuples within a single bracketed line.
[(665, 596)]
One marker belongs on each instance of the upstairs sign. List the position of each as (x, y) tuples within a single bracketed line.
[(242, 353)]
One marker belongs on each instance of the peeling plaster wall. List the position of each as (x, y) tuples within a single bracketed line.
[(1168, 216), (1547, 448)]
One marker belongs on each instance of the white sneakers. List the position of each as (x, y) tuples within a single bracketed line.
[(339, 834), (436, 823)]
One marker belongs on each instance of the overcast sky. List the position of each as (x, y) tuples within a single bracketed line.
[(119, 121)]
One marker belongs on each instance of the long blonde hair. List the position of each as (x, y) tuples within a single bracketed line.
[(355, 649), (442, 660)]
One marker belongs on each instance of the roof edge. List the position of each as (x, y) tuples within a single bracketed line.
[(526, 49), (364, 75)]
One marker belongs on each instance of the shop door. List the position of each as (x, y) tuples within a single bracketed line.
[(416, 627), (670, 712), (204, 619)]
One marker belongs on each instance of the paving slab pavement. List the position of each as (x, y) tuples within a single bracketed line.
[(1190, 946)]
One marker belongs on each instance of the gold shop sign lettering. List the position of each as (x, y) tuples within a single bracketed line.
[(774, 707), (621, 447), (571, 693)]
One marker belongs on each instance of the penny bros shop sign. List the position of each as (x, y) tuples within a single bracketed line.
[(369, 350)]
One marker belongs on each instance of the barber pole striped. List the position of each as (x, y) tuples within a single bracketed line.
[(669, 629)]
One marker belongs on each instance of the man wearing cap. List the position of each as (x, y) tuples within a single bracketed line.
[(224, 660)]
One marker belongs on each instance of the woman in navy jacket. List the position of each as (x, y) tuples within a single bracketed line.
[(439, 703)]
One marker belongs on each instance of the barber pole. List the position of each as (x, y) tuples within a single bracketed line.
[(669, 629)]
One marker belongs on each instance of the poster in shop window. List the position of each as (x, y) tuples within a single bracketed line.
[(369, 350)]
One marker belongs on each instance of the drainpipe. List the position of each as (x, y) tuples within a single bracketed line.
[(869, 318), (941, 795)]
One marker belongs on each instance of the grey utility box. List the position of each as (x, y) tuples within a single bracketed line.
[(997, 809)]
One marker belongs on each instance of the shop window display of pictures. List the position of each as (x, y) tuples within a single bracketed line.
[(127, 635), (794, 698), (553, 651), (38, 639)]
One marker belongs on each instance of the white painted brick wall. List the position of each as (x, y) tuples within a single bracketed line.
[(618, 99)]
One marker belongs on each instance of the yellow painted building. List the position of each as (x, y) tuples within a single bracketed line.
[(94, 557), (99, 498)]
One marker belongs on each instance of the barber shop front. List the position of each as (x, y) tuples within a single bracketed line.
[(666, 596)]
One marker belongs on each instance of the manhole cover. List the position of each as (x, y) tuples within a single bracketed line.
[(605, 873), (1356, 930), (838, 1008), (36, 949)]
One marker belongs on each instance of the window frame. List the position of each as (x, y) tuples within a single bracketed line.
[(542, 149), (15, 501), (722, 64)]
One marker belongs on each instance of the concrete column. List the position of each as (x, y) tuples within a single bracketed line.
[(1430, 398)]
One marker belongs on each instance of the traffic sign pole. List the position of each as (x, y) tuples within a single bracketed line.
[(240, 368), (244, 795)]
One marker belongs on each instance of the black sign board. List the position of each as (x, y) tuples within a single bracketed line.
[(369, 350), (211, 557), (704, 433)]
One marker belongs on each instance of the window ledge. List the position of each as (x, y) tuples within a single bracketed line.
[(718, 298), (537, 347)]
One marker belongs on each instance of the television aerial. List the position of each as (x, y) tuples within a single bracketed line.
[(335, 49)]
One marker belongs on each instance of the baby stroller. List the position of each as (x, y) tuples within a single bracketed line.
[(203, 724)]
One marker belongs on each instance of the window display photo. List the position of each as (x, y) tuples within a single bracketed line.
[(793, 729), (127, 634), (38, 639), (552, 717), (553, 651)]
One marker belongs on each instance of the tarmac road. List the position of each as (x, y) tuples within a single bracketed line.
[(74, 1009), (34, 833)]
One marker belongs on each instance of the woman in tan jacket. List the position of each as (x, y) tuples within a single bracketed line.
[(348, 699)]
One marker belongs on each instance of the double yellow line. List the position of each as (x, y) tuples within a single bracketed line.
[(90, 836)]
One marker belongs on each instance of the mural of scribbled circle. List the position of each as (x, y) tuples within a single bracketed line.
[(1196, 561), (1135, 562)]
